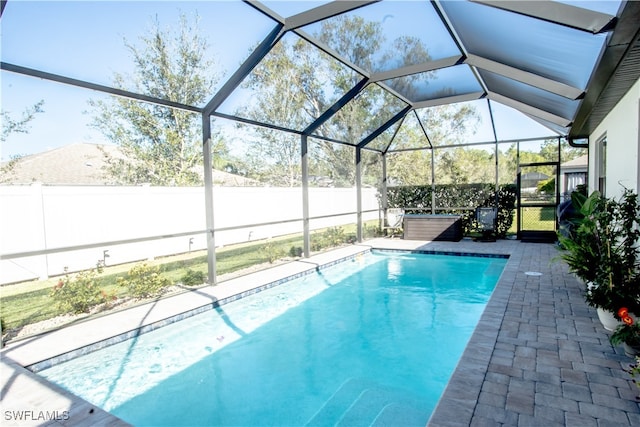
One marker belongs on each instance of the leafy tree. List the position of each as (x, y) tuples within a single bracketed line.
[(464, 166), (296, 83), (549, 150), (11, 125), (547, 186), (449, 124), (161, 145), (21, 125), (507, 164), (360, 42), (409, 167), (446, 125), (274, 156)]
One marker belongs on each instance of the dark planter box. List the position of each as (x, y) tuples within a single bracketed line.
[(433, 227)]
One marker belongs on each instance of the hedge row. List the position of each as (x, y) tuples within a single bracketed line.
[(417, 199)]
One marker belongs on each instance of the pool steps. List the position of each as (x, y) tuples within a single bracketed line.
[(396, 414), (494, 269), (362, 402)]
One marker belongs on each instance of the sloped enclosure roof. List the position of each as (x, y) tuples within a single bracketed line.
[(561, 64)]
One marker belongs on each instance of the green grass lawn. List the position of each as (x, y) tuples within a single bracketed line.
[(31, 302), (538, 218)]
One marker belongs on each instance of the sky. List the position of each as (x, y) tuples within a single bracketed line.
[(85, 40)]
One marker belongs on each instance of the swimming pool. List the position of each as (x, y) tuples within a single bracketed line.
[(372, 340)]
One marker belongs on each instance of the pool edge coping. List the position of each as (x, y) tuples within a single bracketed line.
[(16, 350), (378, 244), (215, 303), (152, 326)]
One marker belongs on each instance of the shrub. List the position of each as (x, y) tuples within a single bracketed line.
[(371, 231), (79, 293), (335, 236), (272, 252), (144, 281), (295, 251), (331, 237), (634, 372), (193, 277), (603, 249), (547, 186), (417, 199)]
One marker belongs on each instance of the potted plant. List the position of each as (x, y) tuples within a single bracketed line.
[(627, 334), (577, 238), (603, 250)]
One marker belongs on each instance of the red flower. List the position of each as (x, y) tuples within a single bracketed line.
[(627, 320), (623, 312)]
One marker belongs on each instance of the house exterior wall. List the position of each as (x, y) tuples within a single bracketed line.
[(621, 128), (570, 177)]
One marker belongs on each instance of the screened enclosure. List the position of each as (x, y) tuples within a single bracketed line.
[(351, 97)]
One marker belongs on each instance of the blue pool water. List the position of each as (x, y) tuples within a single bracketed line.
[(371, 341)]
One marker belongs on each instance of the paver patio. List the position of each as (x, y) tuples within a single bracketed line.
[(539, 356)]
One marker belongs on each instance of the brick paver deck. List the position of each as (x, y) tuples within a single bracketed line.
[(539, 356)]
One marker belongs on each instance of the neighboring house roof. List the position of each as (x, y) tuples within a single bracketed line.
[(534, 176), (84, 164), (581, 162), (71, 164)]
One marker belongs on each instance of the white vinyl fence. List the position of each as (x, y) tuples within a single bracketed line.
[(45, 229)]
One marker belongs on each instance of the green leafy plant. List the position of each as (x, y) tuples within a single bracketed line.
[(193, 277), (628, 332), (80, 292), (418, 199), (144, 281), (615, 226), (295, 251), (331, 237), (547, 186), (272, 251), (624, 333), (578, 241), (603, 250), (634, 371), (369, 231), (335, 236)]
